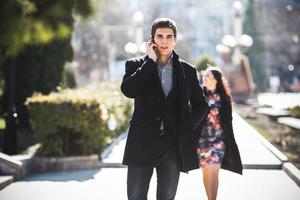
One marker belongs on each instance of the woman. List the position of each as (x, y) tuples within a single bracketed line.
[(217, 147)]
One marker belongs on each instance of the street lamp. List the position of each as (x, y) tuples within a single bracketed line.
[(237, 31), (138, 18), (239, 72), (238, 45), (138, 46), (224, 52), (241, 40)]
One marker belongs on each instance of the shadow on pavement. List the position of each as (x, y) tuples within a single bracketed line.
[(79, 176)]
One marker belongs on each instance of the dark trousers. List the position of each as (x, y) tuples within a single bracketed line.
[(138, 179)]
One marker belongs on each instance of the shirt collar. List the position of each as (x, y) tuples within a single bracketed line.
[(170, 61)]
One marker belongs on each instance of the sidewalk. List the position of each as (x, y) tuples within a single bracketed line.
[(263, 178), (275, 100)]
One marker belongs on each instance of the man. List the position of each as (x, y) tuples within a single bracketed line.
[(169, 107)]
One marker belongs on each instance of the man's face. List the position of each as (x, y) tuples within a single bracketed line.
[(165, 40)]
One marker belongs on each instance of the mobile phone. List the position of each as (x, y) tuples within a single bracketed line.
[(152, 40)]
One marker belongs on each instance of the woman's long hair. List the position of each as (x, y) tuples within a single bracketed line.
[(222, 86)]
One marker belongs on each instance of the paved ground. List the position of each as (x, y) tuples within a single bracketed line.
[(253, 152), (275, 100), (110, 184), (262, 183)]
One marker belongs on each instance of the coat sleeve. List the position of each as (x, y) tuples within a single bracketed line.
[(227, 111), (199, 104), (136, 76)]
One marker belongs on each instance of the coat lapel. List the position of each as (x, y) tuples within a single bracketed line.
[(182, 87), (156, 80)]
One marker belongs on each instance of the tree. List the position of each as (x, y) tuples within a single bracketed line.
[(34, 46), (36, 22)]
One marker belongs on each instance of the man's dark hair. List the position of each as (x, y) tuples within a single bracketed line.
[(163, 23)]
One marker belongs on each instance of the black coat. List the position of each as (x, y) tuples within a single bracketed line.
[(144, 143), (232, 159)]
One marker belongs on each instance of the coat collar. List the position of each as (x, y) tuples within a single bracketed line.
[(175, 62), (175, 56)]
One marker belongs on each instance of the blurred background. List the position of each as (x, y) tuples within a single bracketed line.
[(56, 47), (100, 42)]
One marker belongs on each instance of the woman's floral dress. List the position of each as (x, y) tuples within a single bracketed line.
[(211, 145)]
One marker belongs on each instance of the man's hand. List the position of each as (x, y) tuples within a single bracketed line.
[(150, 49)]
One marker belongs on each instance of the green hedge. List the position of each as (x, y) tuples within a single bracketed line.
[(204, 62), (78, 122), (295, 111)]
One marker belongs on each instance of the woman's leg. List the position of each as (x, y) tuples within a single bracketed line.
[(211, 180)]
